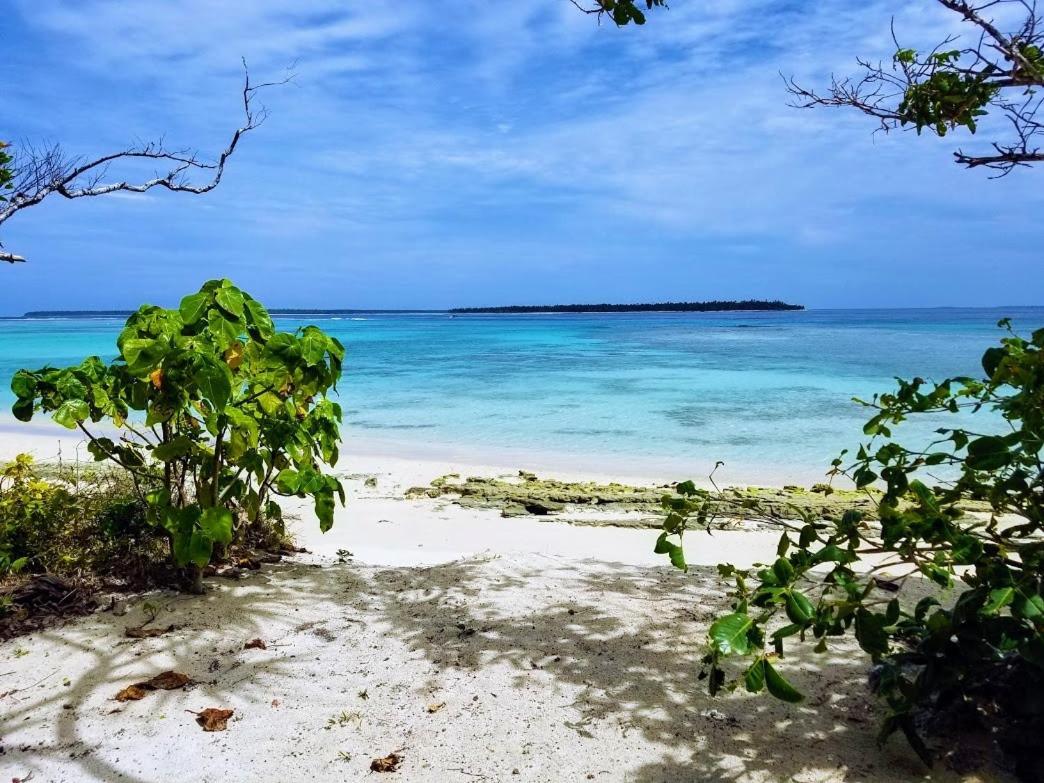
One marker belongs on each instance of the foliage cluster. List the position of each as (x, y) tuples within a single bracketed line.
[(211, 412), (979, 654), (999, 72), (6, 175), (68, 520), (622, 12), (946, 97), (626, 11)]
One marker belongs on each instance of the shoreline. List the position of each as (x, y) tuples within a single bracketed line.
[(379, 525), (42, 435)]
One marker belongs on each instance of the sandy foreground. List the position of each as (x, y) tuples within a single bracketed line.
[(477, 648)]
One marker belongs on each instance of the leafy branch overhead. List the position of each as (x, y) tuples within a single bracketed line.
[(30, 174), (621, 12), (953, 86)]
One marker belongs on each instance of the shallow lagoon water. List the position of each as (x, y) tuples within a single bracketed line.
[(768, 394)]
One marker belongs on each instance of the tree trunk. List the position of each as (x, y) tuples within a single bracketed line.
[(194, 583)]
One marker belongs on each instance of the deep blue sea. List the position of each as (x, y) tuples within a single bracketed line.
[(770, 394)]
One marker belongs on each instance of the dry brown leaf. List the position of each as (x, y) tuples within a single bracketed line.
[(131, 693), (388, 763), (169, 681), (141, 632), (435, 707), (213, 718), (165, 681), (255, 644)]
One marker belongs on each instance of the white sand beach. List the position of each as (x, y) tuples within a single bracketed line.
[(475, 647)]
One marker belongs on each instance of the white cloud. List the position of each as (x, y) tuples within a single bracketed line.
[(413, 121)]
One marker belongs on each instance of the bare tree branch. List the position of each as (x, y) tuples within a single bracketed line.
[(948, 88), (41, 172)]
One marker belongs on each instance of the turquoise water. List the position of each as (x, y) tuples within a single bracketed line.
[(767, 393)]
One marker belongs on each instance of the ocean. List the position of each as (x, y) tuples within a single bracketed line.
[(767, 393)]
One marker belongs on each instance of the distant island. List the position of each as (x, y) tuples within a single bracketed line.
[(658, 307), (668, 307)]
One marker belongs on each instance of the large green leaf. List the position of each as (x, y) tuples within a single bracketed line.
[(223, 331), (23, 410), (288, 481), (193, 307), (216, 523), (799, 609), (324, 509), (754, 679), (729, 634), (181, 523), (991, 360), (101, 448), (70, 387), (172, 449), (988, 453), (199, 549), (779, 687), (259, 318), (23, 384), (214, 381), (313, 345), (871, 633), (243, 436), (71, 413), (783, 571), (665, 546), (1027, 605), (231, 301), (138, 352)]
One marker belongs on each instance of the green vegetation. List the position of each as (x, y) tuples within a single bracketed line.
[(621, 12), (212, 413), (6, 175), (68, 519), (674, 307), (944, 88), (978, 658)]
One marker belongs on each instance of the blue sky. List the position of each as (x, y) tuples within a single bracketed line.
[(467, 152)]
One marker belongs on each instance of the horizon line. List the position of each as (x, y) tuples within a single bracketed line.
[(283, 311)]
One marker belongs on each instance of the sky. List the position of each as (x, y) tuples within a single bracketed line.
[(465, 153)]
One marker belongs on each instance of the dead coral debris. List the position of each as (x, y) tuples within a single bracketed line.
[(531, 495)]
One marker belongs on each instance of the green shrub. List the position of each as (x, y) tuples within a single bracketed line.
[(980, 656), (30, 510), (210, 412), (68, 520)]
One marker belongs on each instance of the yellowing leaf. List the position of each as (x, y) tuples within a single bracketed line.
[(234, 355)]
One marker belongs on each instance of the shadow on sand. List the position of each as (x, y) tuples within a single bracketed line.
[(603, 659)]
